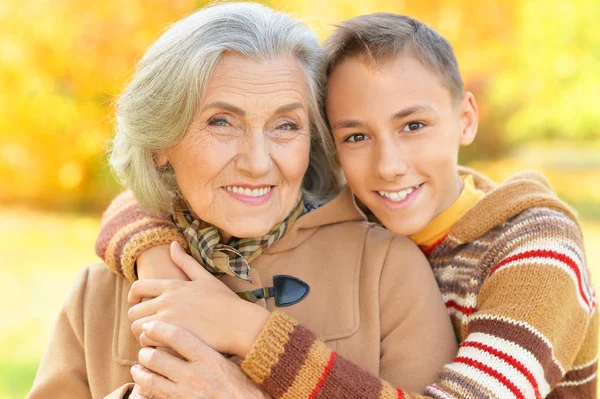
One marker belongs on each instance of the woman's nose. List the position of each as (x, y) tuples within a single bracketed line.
[(390, 162), (255, 158)]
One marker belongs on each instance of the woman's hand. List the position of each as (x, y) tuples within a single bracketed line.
[(204, 306), (203, 373)]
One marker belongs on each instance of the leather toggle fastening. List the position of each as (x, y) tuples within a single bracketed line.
[(286, 290)]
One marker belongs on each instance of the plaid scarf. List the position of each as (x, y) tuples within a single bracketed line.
[(232, 258)]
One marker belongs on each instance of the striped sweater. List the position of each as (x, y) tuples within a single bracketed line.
[(513, 277)]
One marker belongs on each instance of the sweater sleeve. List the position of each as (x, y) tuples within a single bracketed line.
[(534, 332), (127, 230)]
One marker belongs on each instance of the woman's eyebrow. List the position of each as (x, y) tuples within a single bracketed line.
[(289, 107), (224, 105)]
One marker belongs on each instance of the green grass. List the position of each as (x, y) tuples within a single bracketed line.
[(41, 255)]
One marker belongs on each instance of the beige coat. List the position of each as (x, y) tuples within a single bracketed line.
[(373, 299)]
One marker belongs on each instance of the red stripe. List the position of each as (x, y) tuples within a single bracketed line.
[(324, 376), (466, 310), (400, 393), (490, 371), (543, 253), (510, 360)]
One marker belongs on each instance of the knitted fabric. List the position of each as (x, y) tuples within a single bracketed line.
[(513, 277), (128, 230), (518, 294)]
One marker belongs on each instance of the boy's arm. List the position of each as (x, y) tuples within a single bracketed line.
[(536, 320), (127, 232)]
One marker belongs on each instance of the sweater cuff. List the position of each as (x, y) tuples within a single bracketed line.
[(139, 243), (269, 346)]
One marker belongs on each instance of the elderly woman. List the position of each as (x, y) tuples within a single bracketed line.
[(220, 128)]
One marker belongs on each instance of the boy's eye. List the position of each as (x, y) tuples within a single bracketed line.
[(353, 138), (413, 126)]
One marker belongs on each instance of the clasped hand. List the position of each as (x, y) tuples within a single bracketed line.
[(194, 317)]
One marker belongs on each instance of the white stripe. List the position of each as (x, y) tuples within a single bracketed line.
[(548, 261), (520, 354), (527, 326), (511, 373), (469, 300), (577, 383), (588, 364), (481, 378)]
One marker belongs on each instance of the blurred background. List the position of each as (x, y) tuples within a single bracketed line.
[(534, 67)]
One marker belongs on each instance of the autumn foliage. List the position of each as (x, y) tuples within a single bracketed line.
[(533, 66)]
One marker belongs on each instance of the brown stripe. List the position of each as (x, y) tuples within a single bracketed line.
[(122, 242), (312, 371), (545, 297), (524, 338), (347, 380), (585, 391), (581, 374), (290, 362), (110, 225), (269, 346)]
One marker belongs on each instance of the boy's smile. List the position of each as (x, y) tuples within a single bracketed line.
[(397, 131)]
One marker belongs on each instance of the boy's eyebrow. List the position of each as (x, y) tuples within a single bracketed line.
[(346, 124), (403, 113), (412, 110)]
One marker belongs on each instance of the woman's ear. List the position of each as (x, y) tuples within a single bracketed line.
[(161, 158), (469, 116)]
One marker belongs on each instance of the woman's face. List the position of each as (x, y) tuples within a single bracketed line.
[(241, 161)]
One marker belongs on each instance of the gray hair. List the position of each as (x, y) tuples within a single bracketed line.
[(154, 110)]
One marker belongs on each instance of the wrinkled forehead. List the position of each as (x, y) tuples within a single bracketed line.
[(257, 86)]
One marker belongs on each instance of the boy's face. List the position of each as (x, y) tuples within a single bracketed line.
[(397, 131)]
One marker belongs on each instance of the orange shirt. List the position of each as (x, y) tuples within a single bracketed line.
[(441, 225)]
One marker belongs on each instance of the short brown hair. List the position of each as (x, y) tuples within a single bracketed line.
[(380, 36)]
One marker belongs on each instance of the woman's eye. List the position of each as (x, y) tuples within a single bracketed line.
[(218, 122), (353, 138), (413, 126), (288, 126)]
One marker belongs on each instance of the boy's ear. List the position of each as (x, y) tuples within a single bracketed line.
[(469, 117), (161, 158)]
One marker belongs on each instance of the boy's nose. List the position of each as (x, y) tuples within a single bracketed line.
[(390, 162)]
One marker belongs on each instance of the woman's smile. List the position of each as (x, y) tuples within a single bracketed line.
[(250, 194)]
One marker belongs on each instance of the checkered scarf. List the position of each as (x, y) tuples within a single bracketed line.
[(232, 258)]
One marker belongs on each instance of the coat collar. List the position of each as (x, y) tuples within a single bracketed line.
[(341, 209)]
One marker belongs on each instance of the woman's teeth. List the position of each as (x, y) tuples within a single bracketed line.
[(257, 192), (398, 196)]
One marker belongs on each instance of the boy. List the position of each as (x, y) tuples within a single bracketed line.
[(508, 258)]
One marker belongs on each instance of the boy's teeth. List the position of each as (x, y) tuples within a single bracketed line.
[(397, 196), (257, 192)]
